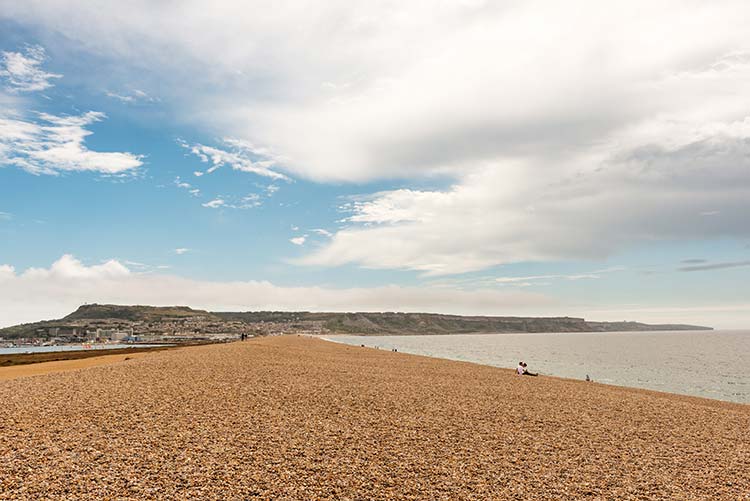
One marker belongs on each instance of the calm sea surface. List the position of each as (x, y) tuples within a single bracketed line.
[(70, 347), (713, 364)]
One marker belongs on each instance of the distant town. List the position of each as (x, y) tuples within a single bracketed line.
[(144, 324)]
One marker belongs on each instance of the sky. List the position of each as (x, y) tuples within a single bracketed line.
[(583, 159)]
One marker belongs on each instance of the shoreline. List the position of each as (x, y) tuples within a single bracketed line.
[(296, 417), (332, 338), (483, 333), (667, 394)]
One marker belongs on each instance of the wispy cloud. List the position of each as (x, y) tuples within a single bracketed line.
[(240, 155), (321, 231), (214, 204), (22, 71), (544, 279), (5, 216), (51, 144), (181, 250), (715, 266), (133, 96), (298, 240), (186, 186), (250, 201)]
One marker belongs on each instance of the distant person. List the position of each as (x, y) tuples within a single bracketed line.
[(526, 371), (520, 369), (588, 378)]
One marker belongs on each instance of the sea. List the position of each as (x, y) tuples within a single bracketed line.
[(17, 350), (712, 364)]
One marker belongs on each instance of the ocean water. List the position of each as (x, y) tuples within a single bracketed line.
[(69, 347), (712, 364)]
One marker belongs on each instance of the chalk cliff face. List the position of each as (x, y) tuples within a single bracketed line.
[(187, 322)]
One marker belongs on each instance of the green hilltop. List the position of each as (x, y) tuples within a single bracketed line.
[(171, 319)]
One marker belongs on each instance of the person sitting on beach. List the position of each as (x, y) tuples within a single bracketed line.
[(519, 369), (526, 372)]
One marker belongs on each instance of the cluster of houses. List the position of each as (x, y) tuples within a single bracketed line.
[(165, 329)]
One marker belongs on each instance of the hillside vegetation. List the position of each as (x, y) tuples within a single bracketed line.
[(173, 319), (433, 323)]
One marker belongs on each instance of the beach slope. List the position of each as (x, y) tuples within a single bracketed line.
[(301, 418)]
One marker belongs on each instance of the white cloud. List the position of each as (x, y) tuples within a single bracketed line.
[(22, 71), (7, 272), (584, 206), (214, 204), (186, 186), (5, 216), (181, 250), (270, 189), (52, 144), (298, 240), (566, 131), (250, 201), (544, 279), (242, 157), (41, 293), (131, 97), (70, 268), (322, 232)]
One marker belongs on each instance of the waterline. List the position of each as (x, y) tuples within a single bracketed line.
[(712, 364)]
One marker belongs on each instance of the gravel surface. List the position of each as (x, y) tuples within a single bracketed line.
[(301, 418)]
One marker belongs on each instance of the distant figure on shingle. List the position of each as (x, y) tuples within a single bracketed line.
[(521, 370)]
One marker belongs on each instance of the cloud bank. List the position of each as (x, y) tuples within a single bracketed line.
[(56, 291), (552, 131), (53, 292)]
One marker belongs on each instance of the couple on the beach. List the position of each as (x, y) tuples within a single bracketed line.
[(522, 371)]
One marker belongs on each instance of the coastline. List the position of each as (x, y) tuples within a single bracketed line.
[(296, 417), (693, 398), (609, 360)]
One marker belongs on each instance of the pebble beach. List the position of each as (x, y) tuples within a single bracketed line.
[(301, 418)]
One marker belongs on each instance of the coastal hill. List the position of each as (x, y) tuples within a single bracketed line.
[(433, 323), (133, 313), (188, 323)]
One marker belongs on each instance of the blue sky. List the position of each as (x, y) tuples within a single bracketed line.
[(468, 158)]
